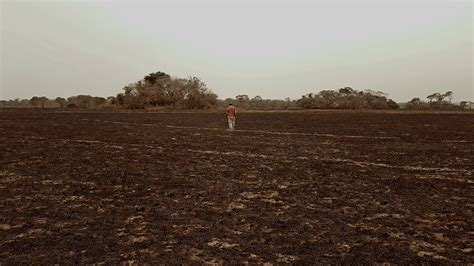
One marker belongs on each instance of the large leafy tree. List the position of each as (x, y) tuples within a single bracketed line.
[(160, 89)]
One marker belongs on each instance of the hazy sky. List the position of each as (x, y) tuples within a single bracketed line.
[(272, 49)]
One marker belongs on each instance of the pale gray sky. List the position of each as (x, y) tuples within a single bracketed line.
[(272, 49)]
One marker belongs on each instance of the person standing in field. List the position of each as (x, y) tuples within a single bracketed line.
[(231, 116)]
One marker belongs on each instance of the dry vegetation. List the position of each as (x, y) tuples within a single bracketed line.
[(320, 187)]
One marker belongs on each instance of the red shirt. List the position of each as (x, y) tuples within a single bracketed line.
[(231, 111)]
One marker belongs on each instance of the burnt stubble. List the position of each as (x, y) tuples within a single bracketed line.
[(303, 187)]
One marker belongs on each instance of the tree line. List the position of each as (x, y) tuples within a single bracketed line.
[(154, 90), (347, 98), (79, 101), (438, 101), (159, 89), (258, 103)]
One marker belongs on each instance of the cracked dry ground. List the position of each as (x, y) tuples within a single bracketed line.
[(320, 187)]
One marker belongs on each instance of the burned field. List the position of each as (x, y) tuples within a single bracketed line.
[(321, 187)]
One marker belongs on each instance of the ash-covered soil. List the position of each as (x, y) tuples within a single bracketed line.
[(290, 187)]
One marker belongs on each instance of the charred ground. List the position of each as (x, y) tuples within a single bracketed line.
[(323, 187)]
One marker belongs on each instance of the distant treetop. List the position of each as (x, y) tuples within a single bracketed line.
[(152, 78)]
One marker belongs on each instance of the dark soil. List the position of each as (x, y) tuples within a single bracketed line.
[(318, 187)]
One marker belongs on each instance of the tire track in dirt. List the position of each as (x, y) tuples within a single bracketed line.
[(285, 133), (362, 164), (348, 161), (245, 130)]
